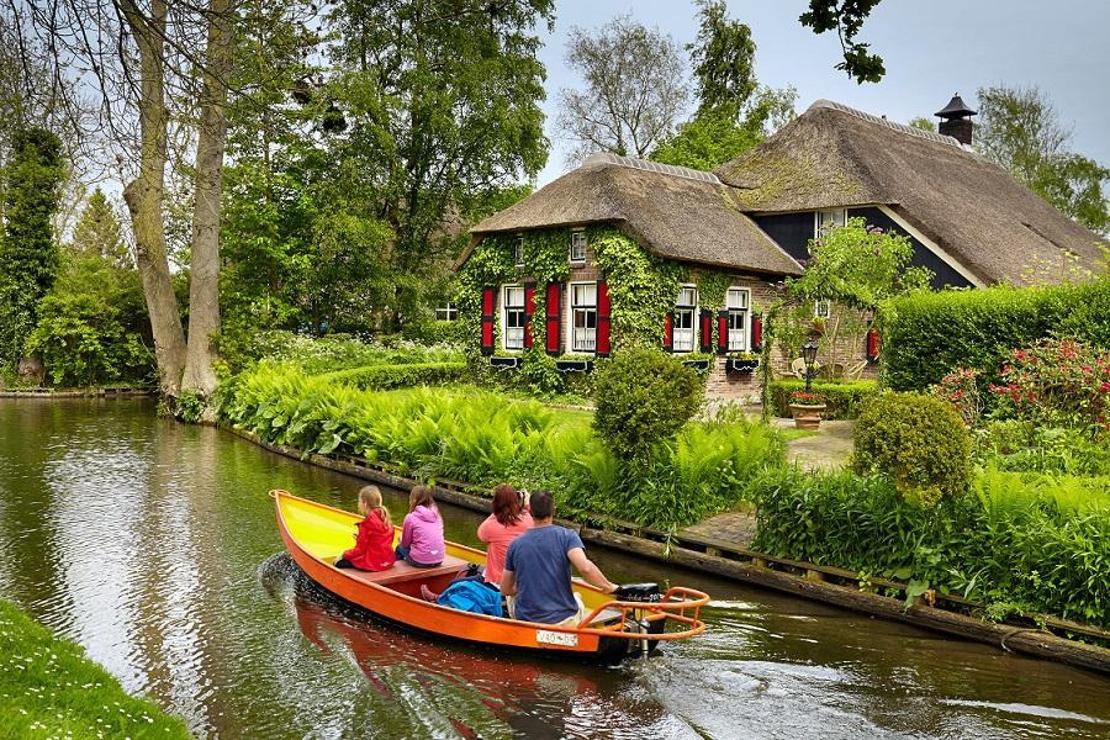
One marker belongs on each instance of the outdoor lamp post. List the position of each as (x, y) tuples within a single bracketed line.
[(809, 357)]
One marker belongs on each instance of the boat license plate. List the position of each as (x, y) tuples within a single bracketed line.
[(563, 639)]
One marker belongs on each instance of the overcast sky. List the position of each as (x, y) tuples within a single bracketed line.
[(932, 48)]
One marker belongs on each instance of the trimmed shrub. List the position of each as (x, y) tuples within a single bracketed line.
[(928, 335), (918, 441), (644, 397), (384, 377), (842, 400)]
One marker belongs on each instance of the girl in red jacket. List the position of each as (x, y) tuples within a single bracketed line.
[(373, 548)]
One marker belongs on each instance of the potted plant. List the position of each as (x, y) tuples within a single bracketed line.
[(742, 363), (807, 408)]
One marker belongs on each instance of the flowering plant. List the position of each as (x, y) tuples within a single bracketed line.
[(1058, 382), (961, 389), (807, 398)]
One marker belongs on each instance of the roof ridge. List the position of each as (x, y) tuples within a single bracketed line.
[(603, 158), (899, 127)]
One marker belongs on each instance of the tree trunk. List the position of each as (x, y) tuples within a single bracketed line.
[(204, 304), (144, 195)]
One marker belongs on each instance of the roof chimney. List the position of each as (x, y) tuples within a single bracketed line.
[(957, 120)]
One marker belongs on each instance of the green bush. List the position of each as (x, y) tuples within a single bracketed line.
[(842, 400), (927, 335), (384, 377), (918, 441), (92, 326), (1013, 445), (644, 397), (1040, 543), (330, 353)]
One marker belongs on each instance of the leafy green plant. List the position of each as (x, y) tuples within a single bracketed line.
[(843, 400), (643, 398), (399, 376), (918, 441)]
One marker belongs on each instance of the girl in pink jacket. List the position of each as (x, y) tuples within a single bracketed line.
[(422, 532)]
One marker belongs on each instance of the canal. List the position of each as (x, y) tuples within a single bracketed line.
[(153, 545)]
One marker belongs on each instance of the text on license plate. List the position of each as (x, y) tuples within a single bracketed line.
[(565, 639)]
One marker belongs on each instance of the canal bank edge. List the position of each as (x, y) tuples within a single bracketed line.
[(97, 392), (808, 580)]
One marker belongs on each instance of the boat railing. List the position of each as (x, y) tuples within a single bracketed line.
[(679, 605)]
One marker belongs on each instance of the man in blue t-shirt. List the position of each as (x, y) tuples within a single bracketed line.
[(537, 569)]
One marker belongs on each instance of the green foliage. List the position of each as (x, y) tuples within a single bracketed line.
[(97, 233), (724, 60), (859, 265), (643, 398), (923, 123), (50, 688), (29, 256), (93, 326), (1021, 446), (918, 441), (383, 377), (846, 18), (1019, 130), (1042, 544), (189, 407), (484, 438), (642, 289), (928, 335), (843, 400)]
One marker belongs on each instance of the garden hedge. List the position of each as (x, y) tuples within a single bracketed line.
[(384, 377), (927, 335), (842, 400)]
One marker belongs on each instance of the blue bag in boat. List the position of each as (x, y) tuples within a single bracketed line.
[(472, 596)]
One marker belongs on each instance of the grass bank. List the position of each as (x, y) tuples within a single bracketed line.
[(49, 688)]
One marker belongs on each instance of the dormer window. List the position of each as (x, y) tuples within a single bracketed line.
[(826, 221), (518, 250), (578, 247)]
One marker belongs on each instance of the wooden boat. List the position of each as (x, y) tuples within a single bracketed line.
[(316, 535)]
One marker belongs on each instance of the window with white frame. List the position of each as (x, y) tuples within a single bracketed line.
[(583, 324), (578, 246), (518, 251), (822, 309), (447, 312), (826, 221), (738, 304), (512, 310), (685, 319)]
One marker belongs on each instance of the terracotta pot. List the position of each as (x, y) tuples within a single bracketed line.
[(806, 415)]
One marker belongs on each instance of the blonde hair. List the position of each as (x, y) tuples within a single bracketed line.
[(371, 498)]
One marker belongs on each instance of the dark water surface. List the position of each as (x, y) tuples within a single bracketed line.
[(154, 546)]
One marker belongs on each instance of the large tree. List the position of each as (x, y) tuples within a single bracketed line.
[(846, 17), (635, 89), (724, 61), (29, 254), (97, 233), (1020, 130)]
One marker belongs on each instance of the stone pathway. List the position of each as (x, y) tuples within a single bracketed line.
[(826, 449)]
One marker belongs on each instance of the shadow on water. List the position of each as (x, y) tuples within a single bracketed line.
[(153, 545)]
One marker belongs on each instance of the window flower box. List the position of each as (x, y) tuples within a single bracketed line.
[(741, 365), (574, 366), (504, 363), (697, 364)]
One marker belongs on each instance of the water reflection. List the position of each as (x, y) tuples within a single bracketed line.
[(142, 539)]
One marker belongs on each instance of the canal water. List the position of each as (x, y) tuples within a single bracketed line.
[(153, 545)]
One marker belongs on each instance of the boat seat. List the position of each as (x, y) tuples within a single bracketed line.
[(402, 571)]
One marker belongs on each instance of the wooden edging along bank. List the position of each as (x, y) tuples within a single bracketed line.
[(830, 585), (75, 393)]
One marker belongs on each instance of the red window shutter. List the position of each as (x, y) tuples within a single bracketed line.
[(603, 310), (552, 323), (668, 332), (529, 309), (706, 329), (487, 321), (874, 344), (722, 333), (757, 333)]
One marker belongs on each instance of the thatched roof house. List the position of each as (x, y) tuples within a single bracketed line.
[(673, 212), (961, 207)]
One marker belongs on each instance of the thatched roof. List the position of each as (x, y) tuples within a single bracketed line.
[(833, 156), (673, 212)]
